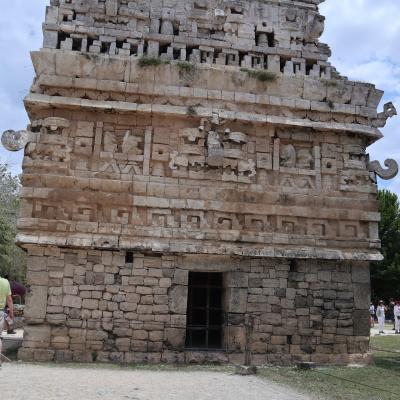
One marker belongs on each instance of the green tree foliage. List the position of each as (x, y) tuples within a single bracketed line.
[(12, 258), (385, 275)]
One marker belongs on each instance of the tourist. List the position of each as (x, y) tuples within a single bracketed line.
[(5, 298), (396, 311), (391, 312), (380, 313), (372, 314), (17, 290)]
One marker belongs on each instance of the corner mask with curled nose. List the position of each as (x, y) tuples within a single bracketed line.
[(15, 140)]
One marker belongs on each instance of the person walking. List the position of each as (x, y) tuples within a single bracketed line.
[(380, 314), (5, 298), (372, 314), (396, 311), (18, 290), (391, 313)]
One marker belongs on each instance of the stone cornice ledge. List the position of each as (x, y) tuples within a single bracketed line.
[(179, 246), (38, 101)]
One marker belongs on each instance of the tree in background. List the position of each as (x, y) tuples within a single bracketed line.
[(385, 275), (12, 258)]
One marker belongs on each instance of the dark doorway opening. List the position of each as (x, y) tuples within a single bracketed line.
[(204, 311)]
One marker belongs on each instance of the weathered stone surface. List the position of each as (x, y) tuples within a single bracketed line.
[(35, 304), (37, 336), (361, 323), (360, 273), (177, 299), (72, 301), (362, 296), (254, 300), (237, 300), (142, 166), (175, 338)]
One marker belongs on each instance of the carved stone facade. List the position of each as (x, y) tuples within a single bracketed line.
[(170, 137)]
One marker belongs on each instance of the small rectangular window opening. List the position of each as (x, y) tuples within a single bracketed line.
[(204, 311), (129, 257)]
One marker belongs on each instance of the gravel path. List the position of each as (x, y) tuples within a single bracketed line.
[(37, 382)]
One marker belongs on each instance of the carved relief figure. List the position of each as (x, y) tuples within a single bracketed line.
[(288, 156), (315, 28), (215, 155), (212, 145), (177, 160), (389, 111), (304, 159), (50, 125), (15, 140), (247, 168), (109, 141), (130, 144)]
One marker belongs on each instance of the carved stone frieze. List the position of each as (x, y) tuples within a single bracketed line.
[(288, 156), (204, 221)]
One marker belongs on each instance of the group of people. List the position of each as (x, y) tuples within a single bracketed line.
[(9, 289), (383, 312)]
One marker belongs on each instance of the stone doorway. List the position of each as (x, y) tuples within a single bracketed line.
[(204, 328)]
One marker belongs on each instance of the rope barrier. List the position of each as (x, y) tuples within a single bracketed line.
[(355, 382), (385, 350), (6, 358)]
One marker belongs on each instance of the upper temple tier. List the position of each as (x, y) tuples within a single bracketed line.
[(278, 35), (199, 126), (264, 57)]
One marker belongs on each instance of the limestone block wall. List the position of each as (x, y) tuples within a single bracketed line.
[(172, 136), (92, 305)]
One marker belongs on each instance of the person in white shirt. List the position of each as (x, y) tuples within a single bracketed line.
[(372, 314), (396, 312), (380, 314)]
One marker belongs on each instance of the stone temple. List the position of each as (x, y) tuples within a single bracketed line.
[(196, 186)]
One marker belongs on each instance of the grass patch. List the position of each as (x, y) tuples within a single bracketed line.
[(187, 72), (389, 343), (191, 111), (329, 82), (151, 62), (331, 104), (262, 76), (186, 67), (380, 381)]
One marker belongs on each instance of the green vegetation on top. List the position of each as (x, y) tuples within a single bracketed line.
[(329, 82), (262, 76), (185, 66), (191, 111), (151, 62)]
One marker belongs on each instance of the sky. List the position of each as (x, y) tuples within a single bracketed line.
[(364, 36)]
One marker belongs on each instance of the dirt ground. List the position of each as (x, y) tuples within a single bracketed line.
[(45, 382)]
